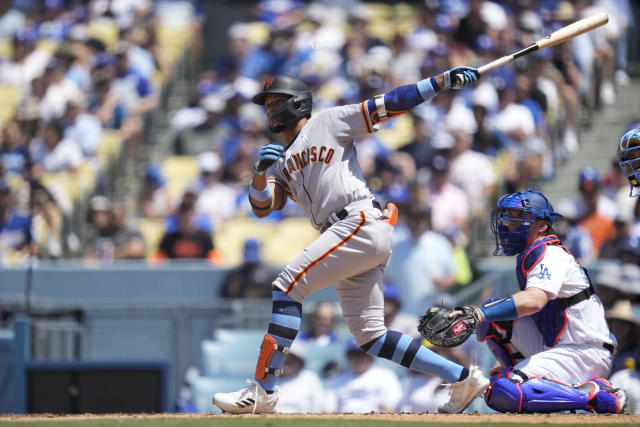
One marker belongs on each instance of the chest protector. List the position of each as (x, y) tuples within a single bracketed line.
[(552, 319)]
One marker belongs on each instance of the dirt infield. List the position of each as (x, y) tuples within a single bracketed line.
[(426, 418)]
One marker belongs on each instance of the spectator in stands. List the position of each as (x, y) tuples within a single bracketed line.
[(516, 122), (215, 199), (28, 61), (626, 328), (47, 219), (110, 238), (14, 152), (253, 278), (378, 389), (82, 127), (606, 283), (482, 187), (187, 241), (154, 200), (629, 380), (421, 284), (393, 318), (16, 238), (60, 90), (206, 133), (321, 326), (12, 20), (200, 221), (449, 203), (53, 152), (590, 190), (301, 390)]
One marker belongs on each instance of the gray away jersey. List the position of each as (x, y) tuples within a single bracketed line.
[(320, 170)]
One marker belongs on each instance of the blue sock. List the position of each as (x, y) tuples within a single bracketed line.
[(410, 353), (285, 323)]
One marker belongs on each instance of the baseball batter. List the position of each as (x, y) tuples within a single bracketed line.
[(316, 166), (551, 339), (629, 159)]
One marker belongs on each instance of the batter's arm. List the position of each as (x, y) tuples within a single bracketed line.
[(403, 98), (264, 197)]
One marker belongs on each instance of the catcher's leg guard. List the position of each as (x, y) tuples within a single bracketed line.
[(603, 398), (533, 395)]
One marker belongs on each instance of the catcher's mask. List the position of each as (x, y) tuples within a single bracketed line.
[(297, 106), (629, 159), (512, 217)]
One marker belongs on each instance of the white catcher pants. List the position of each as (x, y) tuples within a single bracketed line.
[(571, 364)]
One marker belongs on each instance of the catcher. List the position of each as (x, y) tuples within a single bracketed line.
[(550, 339)]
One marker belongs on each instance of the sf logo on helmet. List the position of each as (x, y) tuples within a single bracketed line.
[(268, 83)]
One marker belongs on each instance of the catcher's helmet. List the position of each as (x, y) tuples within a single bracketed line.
[(629, 159), (297, 106), (531, 204)]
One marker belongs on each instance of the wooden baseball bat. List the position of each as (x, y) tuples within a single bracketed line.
[(559, 36)]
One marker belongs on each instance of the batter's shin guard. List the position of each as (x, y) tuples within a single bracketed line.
[(283, 328), (534, 395)]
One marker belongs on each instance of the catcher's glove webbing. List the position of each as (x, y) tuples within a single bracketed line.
[(439, 329)]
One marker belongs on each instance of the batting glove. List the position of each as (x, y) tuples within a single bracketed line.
[(267, 155), (459, 77)]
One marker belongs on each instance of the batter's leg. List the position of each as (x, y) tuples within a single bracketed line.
[(362, 302)]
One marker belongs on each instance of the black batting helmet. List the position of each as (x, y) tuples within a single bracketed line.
[(297, 106)]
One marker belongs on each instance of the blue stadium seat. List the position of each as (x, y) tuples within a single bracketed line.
[(318, 356), (242, 336), (228, 358)]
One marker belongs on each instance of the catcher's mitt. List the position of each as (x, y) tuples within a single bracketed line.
[(444, 331)]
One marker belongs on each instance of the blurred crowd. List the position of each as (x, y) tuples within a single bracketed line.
[(78, 79)]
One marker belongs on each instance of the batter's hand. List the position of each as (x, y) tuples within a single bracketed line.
[(267, 155), (468, 75)]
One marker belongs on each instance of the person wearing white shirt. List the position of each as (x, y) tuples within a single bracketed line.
[(301, 390), (363, 387)]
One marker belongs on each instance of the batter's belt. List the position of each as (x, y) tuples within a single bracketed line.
[(342, 214)]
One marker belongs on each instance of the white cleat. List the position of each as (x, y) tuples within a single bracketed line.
[(464, 392), (250, 400), (623, 401)]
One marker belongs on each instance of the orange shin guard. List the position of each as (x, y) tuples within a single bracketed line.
[(267, 348)]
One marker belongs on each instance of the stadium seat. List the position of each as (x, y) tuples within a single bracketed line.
[(228, 359), (109, 148), (291, 236), (152, 230), (180, 171), (319, 355), (229, 237), (249, 337), (9, 98)]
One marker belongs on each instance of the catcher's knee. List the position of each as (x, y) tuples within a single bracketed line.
[(508, 394)]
